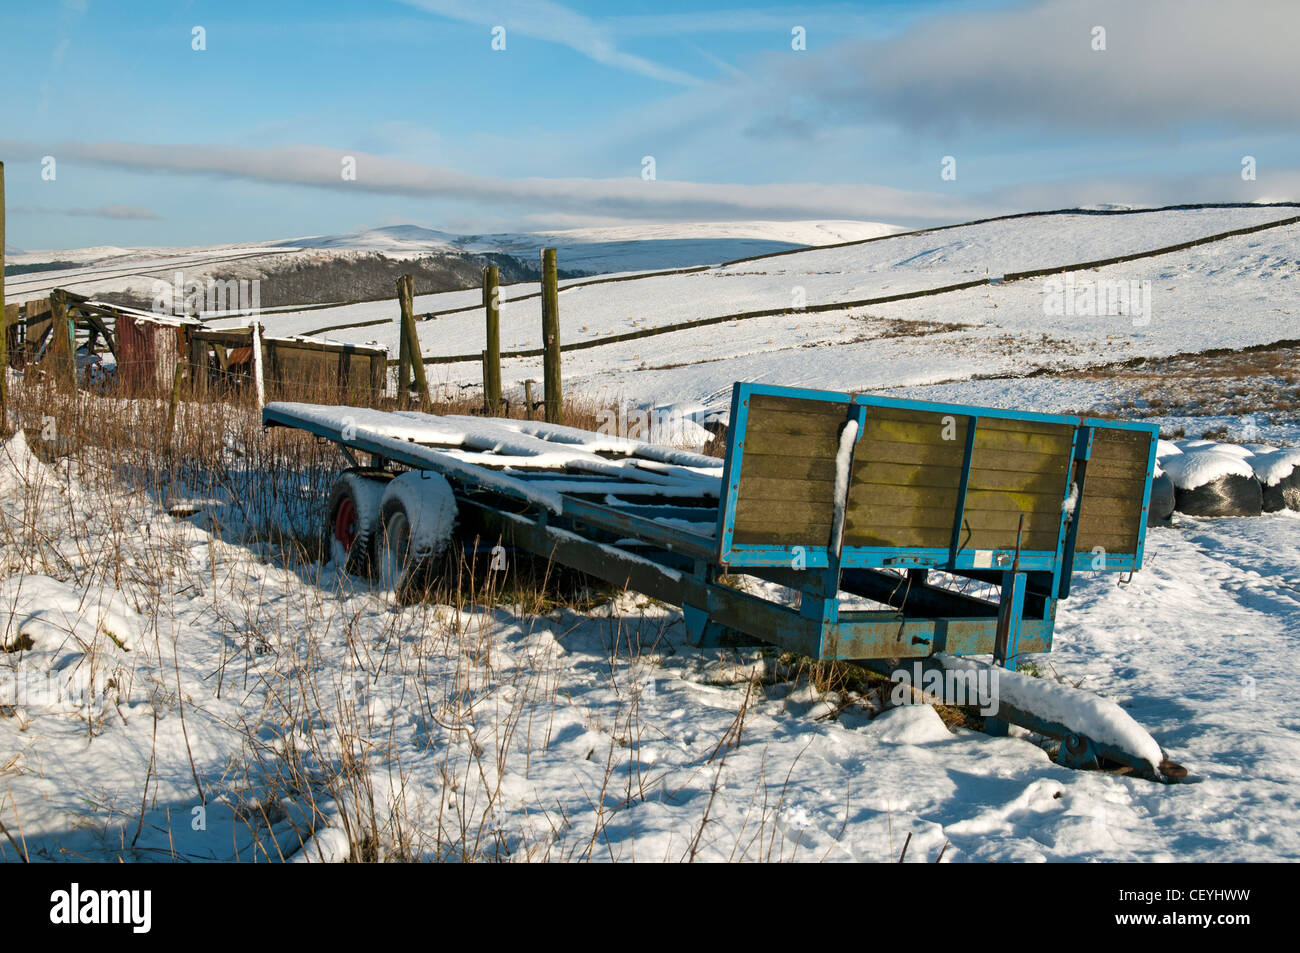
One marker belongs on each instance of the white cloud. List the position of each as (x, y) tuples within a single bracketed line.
[(662, 200), (549, 21), (1167, 64), (114, 211)]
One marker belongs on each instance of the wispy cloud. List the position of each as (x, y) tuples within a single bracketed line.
[(661, 200), (554, 23), (838, 18), (118, 212)]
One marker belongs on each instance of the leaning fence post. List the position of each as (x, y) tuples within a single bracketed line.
[(551, 336), (406, 293), (528, 397), (492, 356)]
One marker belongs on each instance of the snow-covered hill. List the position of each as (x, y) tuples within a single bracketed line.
[(1235, 292), (110, 269)]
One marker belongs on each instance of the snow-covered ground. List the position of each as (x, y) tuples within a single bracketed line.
[(1225, 294), (229, 689), (229, 685), (108, 269), (618, 248)]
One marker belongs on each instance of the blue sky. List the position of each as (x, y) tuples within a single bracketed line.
[(157, 143)]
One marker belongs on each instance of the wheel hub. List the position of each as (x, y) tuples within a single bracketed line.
[(345, 523)]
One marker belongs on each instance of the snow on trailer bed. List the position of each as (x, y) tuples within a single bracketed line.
[(526, 459)]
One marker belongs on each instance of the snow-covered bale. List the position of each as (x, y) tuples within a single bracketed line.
[(1278, 472), (1209, 481), (1162, 498), (1167, 448)]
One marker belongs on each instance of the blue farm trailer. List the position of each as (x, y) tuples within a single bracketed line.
[(884, 516)]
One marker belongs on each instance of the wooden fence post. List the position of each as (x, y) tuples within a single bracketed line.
[(259, 377), (528, 397), (406, 295), (403, 356), (199, 366), (63, 343), (175, 401), (4, 314), (492, 359), (551, 336)]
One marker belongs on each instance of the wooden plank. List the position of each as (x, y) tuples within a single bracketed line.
[(869, 473), (877, 495), (1115, 470), (1016, 501), (1018, 425), (912, 537), (792, 514), (770, 488), (930, 429), (765, 403), (779, 444), (1120, 544), (1127, 507), (793, 423), (936, 517), (985, 458), (228, 336), (811, 535), (911, 414), (986, 538), (931, 454), (1100, 486), (1113, 443), (796, 468), (1015, 441)]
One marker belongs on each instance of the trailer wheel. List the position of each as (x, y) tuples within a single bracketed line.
[(416, 519), (352, 517)]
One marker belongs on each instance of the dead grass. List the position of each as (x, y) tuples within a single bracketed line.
[(1262, 381)]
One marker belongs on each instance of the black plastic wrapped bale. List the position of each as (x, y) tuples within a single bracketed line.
[(1228, 495), (1162, 500), (1283, 495)]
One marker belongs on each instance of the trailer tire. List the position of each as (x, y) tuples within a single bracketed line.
[(416, 518), (352, 517)]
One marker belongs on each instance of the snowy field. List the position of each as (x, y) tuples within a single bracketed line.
[(306, 707), (174, 685), (107, 269), (1230, 293)]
